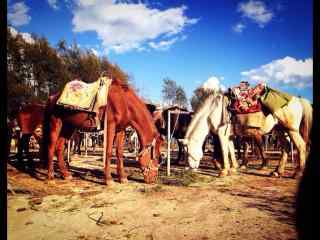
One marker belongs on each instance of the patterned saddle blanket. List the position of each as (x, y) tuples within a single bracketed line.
[(243, 102), (79, 95)]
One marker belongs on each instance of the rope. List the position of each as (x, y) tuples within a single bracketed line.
[(175, 125)]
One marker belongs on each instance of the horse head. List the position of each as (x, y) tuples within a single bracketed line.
[(207, 118), (149, 160)]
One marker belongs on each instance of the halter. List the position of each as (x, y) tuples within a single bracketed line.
[(149, 166)]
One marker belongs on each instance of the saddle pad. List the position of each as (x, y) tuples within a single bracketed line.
[(79, 94), (274, 99), (250, 119)]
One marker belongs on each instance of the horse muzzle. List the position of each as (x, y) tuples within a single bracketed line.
[(150, 174)]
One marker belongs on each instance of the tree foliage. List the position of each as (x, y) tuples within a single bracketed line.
[(36, 69), (181, 98), (169, 89), (173, 94)]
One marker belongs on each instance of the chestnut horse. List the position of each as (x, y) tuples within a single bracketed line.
[(123, 108), (29, 119)]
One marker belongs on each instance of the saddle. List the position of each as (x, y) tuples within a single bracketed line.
[(244, 102), (79, 95)]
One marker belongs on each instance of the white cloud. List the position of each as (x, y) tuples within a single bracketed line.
[(163, 45), (26, 36), (238, 27), (95, 52), (53, 4), (213, 83), (256, 11), (18, 14), (124, 26), (287, 71)]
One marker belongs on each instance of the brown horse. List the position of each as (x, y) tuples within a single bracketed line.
[(29, 120), (123, 108)]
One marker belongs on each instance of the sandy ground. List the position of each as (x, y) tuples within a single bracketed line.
[(198, 206)]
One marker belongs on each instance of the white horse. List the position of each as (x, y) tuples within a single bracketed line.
[(295, 119), (211, 117)]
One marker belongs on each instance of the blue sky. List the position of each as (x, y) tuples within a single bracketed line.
[(188, 41)]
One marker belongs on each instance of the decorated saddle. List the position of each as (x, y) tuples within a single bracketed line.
[(244, 101), (79, 95), (88, 97)]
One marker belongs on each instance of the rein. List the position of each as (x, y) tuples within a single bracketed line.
[(175, 125)]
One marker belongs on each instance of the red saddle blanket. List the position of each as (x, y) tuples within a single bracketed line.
[(243, 107), (245, 102)]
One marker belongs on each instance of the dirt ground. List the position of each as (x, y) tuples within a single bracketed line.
[(199, 206)]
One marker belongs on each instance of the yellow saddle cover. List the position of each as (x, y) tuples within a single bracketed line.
[(79, 95)]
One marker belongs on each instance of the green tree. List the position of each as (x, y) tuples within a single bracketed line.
[(181, 98), (36, 69), (89, 66), (18, 73), (169, 90), (48, 70)]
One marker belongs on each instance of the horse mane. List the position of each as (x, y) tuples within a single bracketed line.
[(200, 110), (209, 94), (143, 108), (119, 82)]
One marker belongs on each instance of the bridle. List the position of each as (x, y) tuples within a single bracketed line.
[(149, 166)]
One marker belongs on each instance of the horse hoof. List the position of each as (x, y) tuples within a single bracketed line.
[(276, 174), (123, 180), (51, 182), (109, 182), (233, 170), (263, 168), (223, 173), (68, 177)]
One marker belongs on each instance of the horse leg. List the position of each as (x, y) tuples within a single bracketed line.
[(111, 128), (225, 154), (285, 146), (20, 150), (244, 163), (55, 126), (180, 153), (120, 138), (30, 162), (21, 147), (60, 150), (259, 143), (232, 154), (301, 147), (216, 154)]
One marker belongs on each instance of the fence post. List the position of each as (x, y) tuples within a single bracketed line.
[(68, 151), (169, 142), (86, 143)]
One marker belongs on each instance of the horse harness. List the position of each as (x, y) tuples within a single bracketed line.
[(149, 167)]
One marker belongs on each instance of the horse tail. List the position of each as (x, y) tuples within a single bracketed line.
[(306, 122)]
